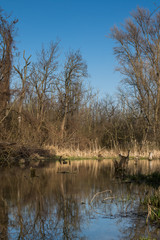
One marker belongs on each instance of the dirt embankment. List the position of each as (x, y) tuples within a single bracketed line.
[(12, 154)]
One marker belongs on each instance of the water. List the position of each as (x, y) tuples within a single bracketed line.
[(71, 202)]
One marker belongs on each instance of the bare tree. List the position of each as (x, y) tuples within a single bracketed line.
[(7, 28), (23, 75), (138, 53), (70, 84), (43, 77)]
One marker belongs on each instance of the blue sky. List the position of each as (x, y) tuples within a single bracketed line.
[(78, 24)]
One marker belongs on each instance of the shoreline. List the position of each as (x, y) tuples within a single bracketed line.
[(14, 154)]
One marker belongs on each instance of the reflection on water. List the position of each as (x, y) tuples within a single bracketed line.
[(60, 202)]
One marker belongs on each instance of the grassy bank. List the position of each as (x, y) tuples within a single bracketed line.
[(14, 153), (99, 152)]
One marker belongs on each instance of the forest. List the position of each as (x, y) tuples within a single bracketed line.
[(45, 103)]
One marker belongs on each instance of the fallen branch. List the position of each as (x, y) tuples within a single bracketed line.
[(108, 198), (98, 194)]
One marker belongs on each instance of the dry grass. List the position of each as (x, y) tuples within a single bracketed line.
[(101, 152), (65, 152), (14, 153)]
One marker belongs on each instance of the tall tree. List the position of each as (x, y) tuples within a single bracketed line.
[(43, 77), (23, 74), (138, 53), (69, 87), (7, 28)]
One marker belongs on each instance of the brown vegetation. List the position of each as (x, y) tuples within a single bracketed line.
[(12, 154), (54, 107)]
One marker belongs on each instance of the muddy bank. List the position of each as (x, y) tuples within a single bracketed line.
[(12, 154)]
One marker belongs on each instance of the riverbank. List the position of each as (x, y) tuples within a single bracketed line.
[(100, 153), (14, 154)]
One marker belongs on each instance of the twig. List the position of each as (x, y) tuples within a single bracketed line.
[(108, 198), (98, 194)]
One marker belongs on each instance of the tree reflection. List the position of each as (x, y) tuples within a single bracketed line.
[(3, 219), (48, 206)]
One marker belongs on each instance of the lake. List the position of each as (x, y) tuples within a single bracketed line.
[(80, 200)]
